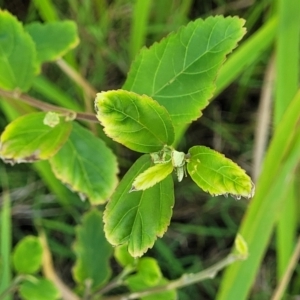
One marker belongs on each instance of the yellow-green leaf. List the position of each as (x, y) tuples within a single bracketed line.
[(28, 138), (138, 122), (151, 176), (137, 218), (241, 246), (218, 175)]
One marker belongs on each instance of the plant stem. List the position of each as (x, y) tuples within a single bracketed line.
[(46, 106), (184, 280), (262, 130), (288, 273), (117, 281), (74, 75)]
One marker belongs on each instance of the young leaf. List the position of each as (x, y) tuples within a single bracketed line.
[(138, 218), (218, 175), (92, 250), (152, 176), (53, 40), (38, 289), (180, 71), (27, 255), (86, 165), (28, 138), (122, 256), (136, 121), (149, 275), (18, 63), (241, 246)]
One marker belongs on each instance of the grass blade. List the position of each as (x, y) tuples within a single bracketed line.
[(139, 26), (262, 214), (46, 9), (5, 237), (287, 63)]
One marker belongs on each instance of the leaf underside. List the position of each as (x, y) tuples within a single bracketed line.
[(179, 72), (137, 218)]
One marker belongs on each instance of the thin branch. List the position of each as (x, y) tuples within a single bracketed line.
[(288, 273), (184, 280), (46, 106), (117, 281), (263, 120)]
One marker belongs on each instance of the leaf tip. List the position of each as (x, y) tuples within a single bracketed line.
[(248, 195)]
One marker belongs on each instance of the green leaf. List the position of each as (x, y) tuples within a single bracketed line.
[(152, 176), (92, 250), (218, 175), (18, 63), (28, 138), (27, 255), (38, 289), (53, 40), (138, 218), (149, 275), (136, 121), (86, 165), (122, 256), (180, 71)]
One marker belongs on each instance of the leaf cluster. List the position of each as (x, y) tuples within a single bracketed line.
[(168, 86)]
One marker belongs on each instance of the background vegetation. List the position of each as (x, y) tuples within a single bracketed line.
[(248, 111)]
